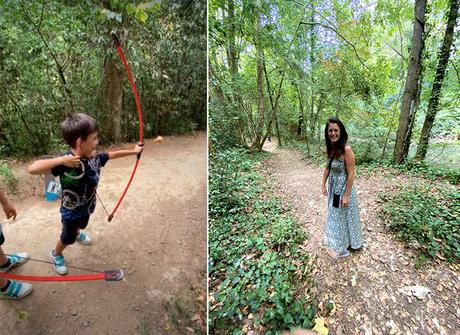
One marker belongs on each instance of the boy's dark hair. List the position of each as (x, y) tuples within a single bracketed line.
[(77, 125)]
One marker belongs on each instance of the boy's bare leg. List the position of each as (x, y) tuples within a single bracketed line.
[(3, 260), (59, 248)]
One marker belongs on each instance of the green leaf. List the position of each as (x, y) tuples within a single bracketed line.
[(141, 16), (130, 8)]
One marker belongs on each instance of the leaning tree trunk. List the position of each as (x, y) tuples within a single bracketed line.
[(232, 54), (410, 90), (433, 104), (415, 105), (259, 126), (112, 99)]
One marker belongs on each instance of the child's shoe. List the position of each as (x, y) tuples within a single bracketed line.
[(58, 263), (84, 238), (15, 260), (16, 290)]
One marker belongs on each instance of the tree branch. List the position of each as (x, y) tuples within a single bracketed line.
[(400, 55), (456, 70), (60, 69), (341, 36)]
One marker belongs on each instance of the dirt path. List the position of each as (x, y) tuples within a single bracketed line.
[(366, 287), (158, 237)]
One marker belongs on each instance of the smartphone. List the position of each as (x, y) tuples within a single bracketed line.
[(336, 200)]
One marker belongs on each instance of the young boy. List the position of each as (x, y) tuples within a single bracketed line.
[(79, 170), (11, 289)]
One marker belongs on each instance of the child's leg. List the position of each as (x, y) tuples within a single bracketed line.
[(69, 234), (3, 260), (59, 248), (83, 237)]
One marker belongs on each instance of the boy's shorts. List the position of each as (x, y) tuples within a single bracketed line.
[(69, 229), (2, 238)]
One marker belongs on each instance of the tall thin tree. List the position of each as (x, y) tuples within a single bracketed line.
[(443, 59), (410, 89)]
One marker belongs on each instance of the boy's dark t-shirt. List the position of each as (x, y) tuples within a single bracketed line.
[(79, 186)]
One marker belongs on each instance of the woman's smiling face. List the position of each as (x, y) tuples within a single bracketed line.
[(333, 131)]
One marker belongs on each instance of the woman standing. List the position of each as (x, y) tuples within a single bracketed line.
[(343, 226)]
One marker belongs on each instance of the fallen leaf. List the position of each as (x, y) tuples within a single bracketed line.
[(319, 327), (354, 280), (418, 291)]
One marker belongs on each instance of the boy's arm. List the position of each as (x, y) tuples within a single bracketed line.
[(8, 208), (43, 166), (123, 153)]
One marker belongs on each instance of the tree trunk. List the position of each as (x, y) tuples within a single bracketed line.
[(316, 125), (274, 104), (260, 90), (433, 104), (112, 99), (231, 50), (410, 90), (310, 131), (414, 106), (301, 113)]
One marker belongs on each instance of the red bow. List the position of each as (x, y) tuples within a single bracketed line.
[(117, 44), (111, 275)]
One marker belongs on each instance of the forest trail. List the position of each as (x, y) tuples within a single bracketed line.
[(158, 238), (366, 288)]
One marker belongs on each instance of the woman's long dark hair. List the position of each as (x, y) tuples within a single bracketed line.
[(338, 149)]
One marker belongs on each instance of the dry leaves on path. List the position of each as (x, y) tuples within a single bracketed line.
[(377, 290)]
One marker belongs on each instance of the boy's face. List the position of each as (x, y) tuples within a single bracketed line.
[(89, 145)]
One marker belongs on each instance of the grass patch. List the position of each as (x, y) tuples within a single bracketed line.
[(258, 272), (427, 215)]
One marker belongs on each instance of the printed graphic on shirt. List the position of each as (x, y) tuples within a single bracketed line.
[(79, 186)]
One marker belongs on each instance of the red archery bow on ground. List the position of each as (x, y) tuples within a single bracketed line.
[(111, 275), (117, 44)]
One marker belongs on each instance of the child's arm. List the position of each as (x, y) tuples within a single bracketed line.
[(8, 208), (43, 166), (123, 153)]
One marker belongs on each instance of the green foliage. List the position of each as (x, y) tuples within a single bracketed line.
[(337, 59), (431, 172), (255, 263), (164, 43), (9, 179), (428, 215)]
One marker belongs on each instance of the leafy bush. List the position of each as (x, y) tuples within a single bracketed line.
[(9, 179), (427, 215), (431, 172), (255, 262)]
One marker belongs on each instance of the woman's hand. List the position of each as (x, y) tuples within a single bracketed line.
[(324, 190), (345, 200)]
